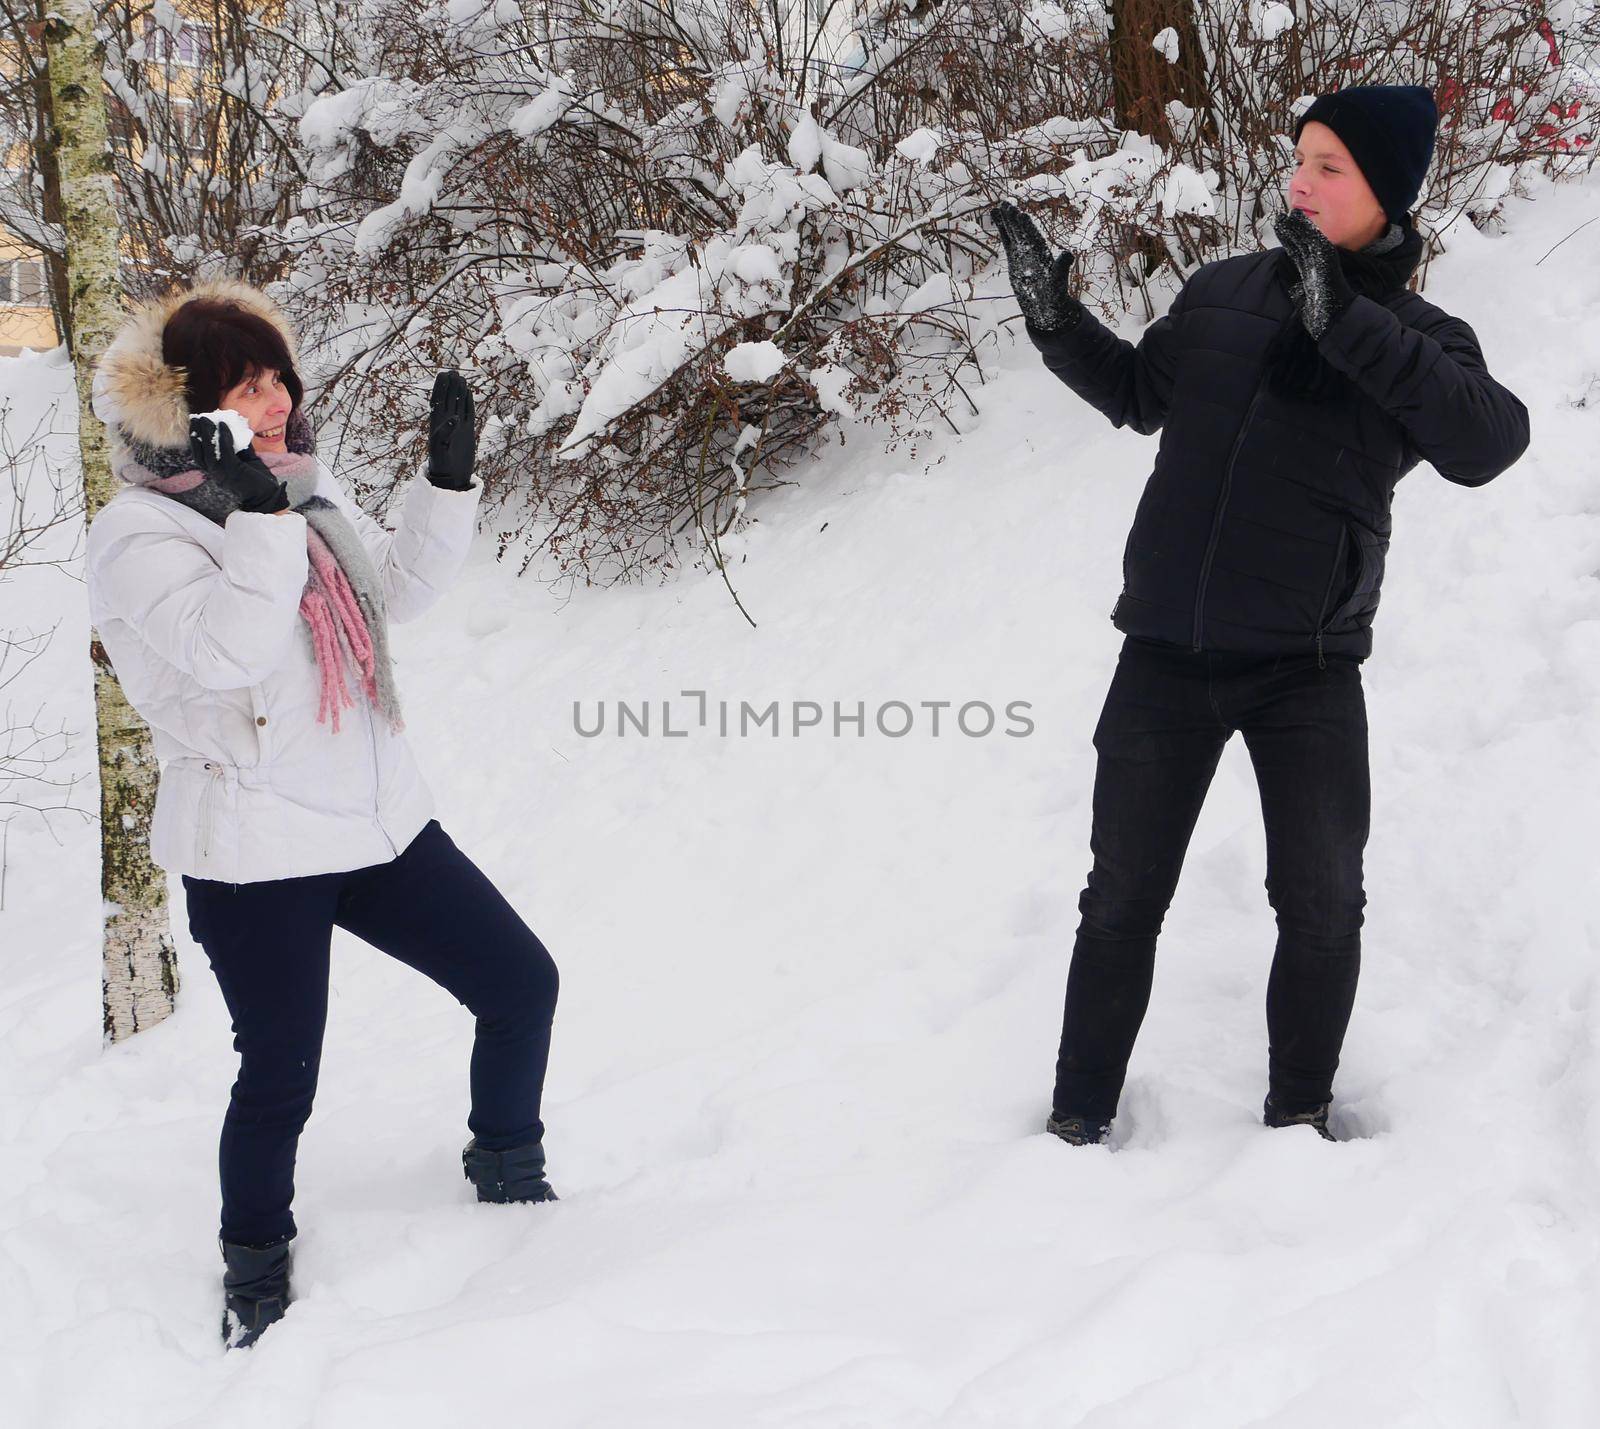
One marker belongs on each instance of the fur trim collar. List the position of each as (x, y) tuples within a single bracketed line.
[(139, 396)]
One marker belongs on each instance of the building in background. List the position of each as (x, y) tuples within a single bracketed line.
[(25, 316), (26, 319), (172, 43)]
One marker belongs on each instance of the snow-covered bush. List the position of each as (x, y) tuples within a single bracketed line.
[(675, 245), (672, 246)]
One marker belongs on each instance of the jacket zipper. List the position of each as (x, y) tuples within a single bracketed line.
[(1222, 502), (1325, 615)]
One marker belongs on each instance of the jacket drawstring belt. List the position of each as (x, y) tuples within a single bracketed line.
[(208, 803)]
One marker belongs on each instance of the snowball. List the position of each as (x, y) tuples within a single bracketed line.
[(227, 417), (754, 361)]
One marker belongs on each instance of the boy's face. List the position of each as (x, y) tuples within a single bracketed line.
[(1333, 192)]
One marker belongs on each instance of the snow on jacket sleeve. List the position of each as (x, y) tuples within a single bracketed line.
[(420, 559), (228, 626), (1435, 385), (1131, 385)]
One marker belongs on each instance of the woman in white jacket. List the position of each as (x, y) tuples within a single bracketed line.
[(243, 600)]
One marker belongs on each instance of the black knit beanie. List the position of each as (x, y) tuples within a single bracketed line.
[(1388, 129)]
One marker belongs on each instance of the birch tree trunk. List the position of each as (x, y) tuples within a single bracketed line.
[(139, 980)]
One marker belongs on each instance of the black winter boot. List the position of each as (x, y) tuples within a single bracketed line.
[(255, 1285), (1316, 1118), (513, 1175), (1078, 1130)]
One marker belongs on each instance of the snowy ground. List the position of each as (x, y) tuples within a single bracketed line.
[(811, 988)]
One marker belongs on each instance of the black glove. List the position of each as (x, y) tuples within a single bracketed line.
[(452, 433), (1323, 291), (1040, 281), (243, 473)]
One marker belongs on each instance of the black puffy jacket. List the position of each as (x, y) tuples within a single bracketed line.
[(1264, 526)]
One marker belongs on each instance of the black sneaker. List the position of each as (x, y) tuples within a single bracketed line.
[(255, 1287), (1316, 1118), (1078, 1130)]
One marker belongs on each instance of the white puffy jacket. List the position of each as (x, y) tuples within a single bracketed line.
[(202, 625)]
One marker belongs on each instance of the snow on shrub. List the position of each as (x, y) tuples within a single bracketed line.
[(675, 248)]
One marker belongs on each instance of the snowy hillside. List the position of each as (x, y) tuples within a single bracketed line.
[(812, 986)]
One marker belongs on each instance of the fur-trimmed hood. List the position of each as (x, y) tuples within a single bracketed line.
[(141, 399)]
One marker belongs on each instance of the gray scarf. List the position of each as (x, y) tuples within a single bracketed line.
[(1294, 363)]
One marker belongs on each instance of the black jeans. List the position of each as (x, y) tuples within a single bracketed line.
[(268, 943), (1167, 715)]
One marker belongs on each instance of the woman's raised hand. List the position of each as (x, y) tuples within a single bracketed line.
[(452, 433), (1039, 280), (243, 474)]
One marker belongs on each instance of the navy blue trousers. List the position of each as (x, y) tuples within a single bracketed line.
[(1167, 716), (268, 944)]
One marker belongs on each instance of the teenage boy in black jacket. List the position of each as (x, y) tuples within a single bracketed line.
[(1293, 389)]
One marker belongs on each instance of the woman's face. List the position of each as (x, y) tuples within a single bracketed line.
[(1333, 192), (263, 401)]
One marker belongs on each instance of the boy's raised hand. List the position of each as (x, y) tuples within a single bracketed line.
[(1039, 280)]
